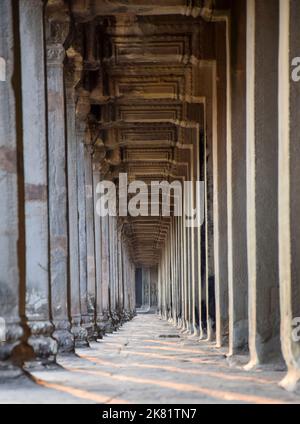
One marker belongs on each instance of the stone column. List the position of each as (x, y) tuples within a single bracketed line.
[(57, 31), (236, 187), (179, 262), (173, 269), (131, 288), (130, 298), (189, 278), (118, 282), (169, 279), (35, 176), (159, 304), (98, 247), (13, 351), (113, 271), (220, 192), (194, 279), (125, 279), (81, 135), (163, 284), (183, 277), (111, 282), (72, 78), (203, 256), (262, 180), (90, 235), (146, 287), (120, 275), (105, 272), (289, 184)]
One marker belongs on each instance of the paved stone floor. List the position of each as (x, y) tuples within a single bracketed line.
[(148, 361)]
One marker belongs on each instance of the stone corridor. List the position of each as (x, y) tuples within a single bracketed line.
[(103, 103), (149, 361)]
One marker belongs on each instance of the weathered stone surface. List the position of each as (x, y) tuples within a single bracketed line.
[(13, 351), (175, 91), (57, 29), (262, 181), (236, 195), (148, 361), (289, 113)]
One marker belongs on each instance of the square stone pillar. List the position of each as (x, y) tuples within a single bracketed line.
[(105, 272), (82, 222), (13, 351), (289, 188), (72, 78), (36, 179), (262, 180), (121, 287), (220, 189), (145, 290), (113, 266), (236, 185), (98, 252), (90, 235), (57, 31), (112, 269), (126, 280)]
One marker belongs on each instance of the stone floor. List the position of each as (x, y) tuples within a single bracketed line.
[(148, 361)]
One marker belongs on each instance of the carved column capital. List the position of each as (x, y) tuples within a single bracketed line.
[(55, 54), (57, 31)]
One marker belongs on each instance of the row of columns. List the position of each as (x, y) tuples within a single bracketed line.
[(255, 145), (66, 275)]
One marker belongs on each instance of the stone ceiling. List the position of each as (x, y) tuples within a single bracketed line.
[(144, 76)]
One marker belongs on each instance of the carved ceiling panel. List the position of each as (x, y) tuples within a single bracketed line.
[(143, 71)]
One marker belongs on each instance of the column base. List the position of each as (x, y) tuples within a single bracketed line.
[(115, 319), (65, 339), (129, 315), (109, 326), (203, 335), (101, 326), (123, 318), (291, 380), (196, 331), (44, 345), (186, 329), (93, 334), (88, 325), (238, 340), (80, 333), (104, 324), (8, 371), (109, 322), (14, 352), (202, 332)]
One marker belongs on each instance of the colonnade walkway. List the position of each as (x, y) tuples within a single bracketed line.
[(149, 361)]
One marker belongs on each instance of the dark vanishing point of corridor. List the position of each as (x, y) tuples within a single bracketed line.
[(149, 361)]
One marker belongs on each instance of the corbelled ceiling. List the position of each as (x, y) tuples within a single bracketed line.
[(145, 77)]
